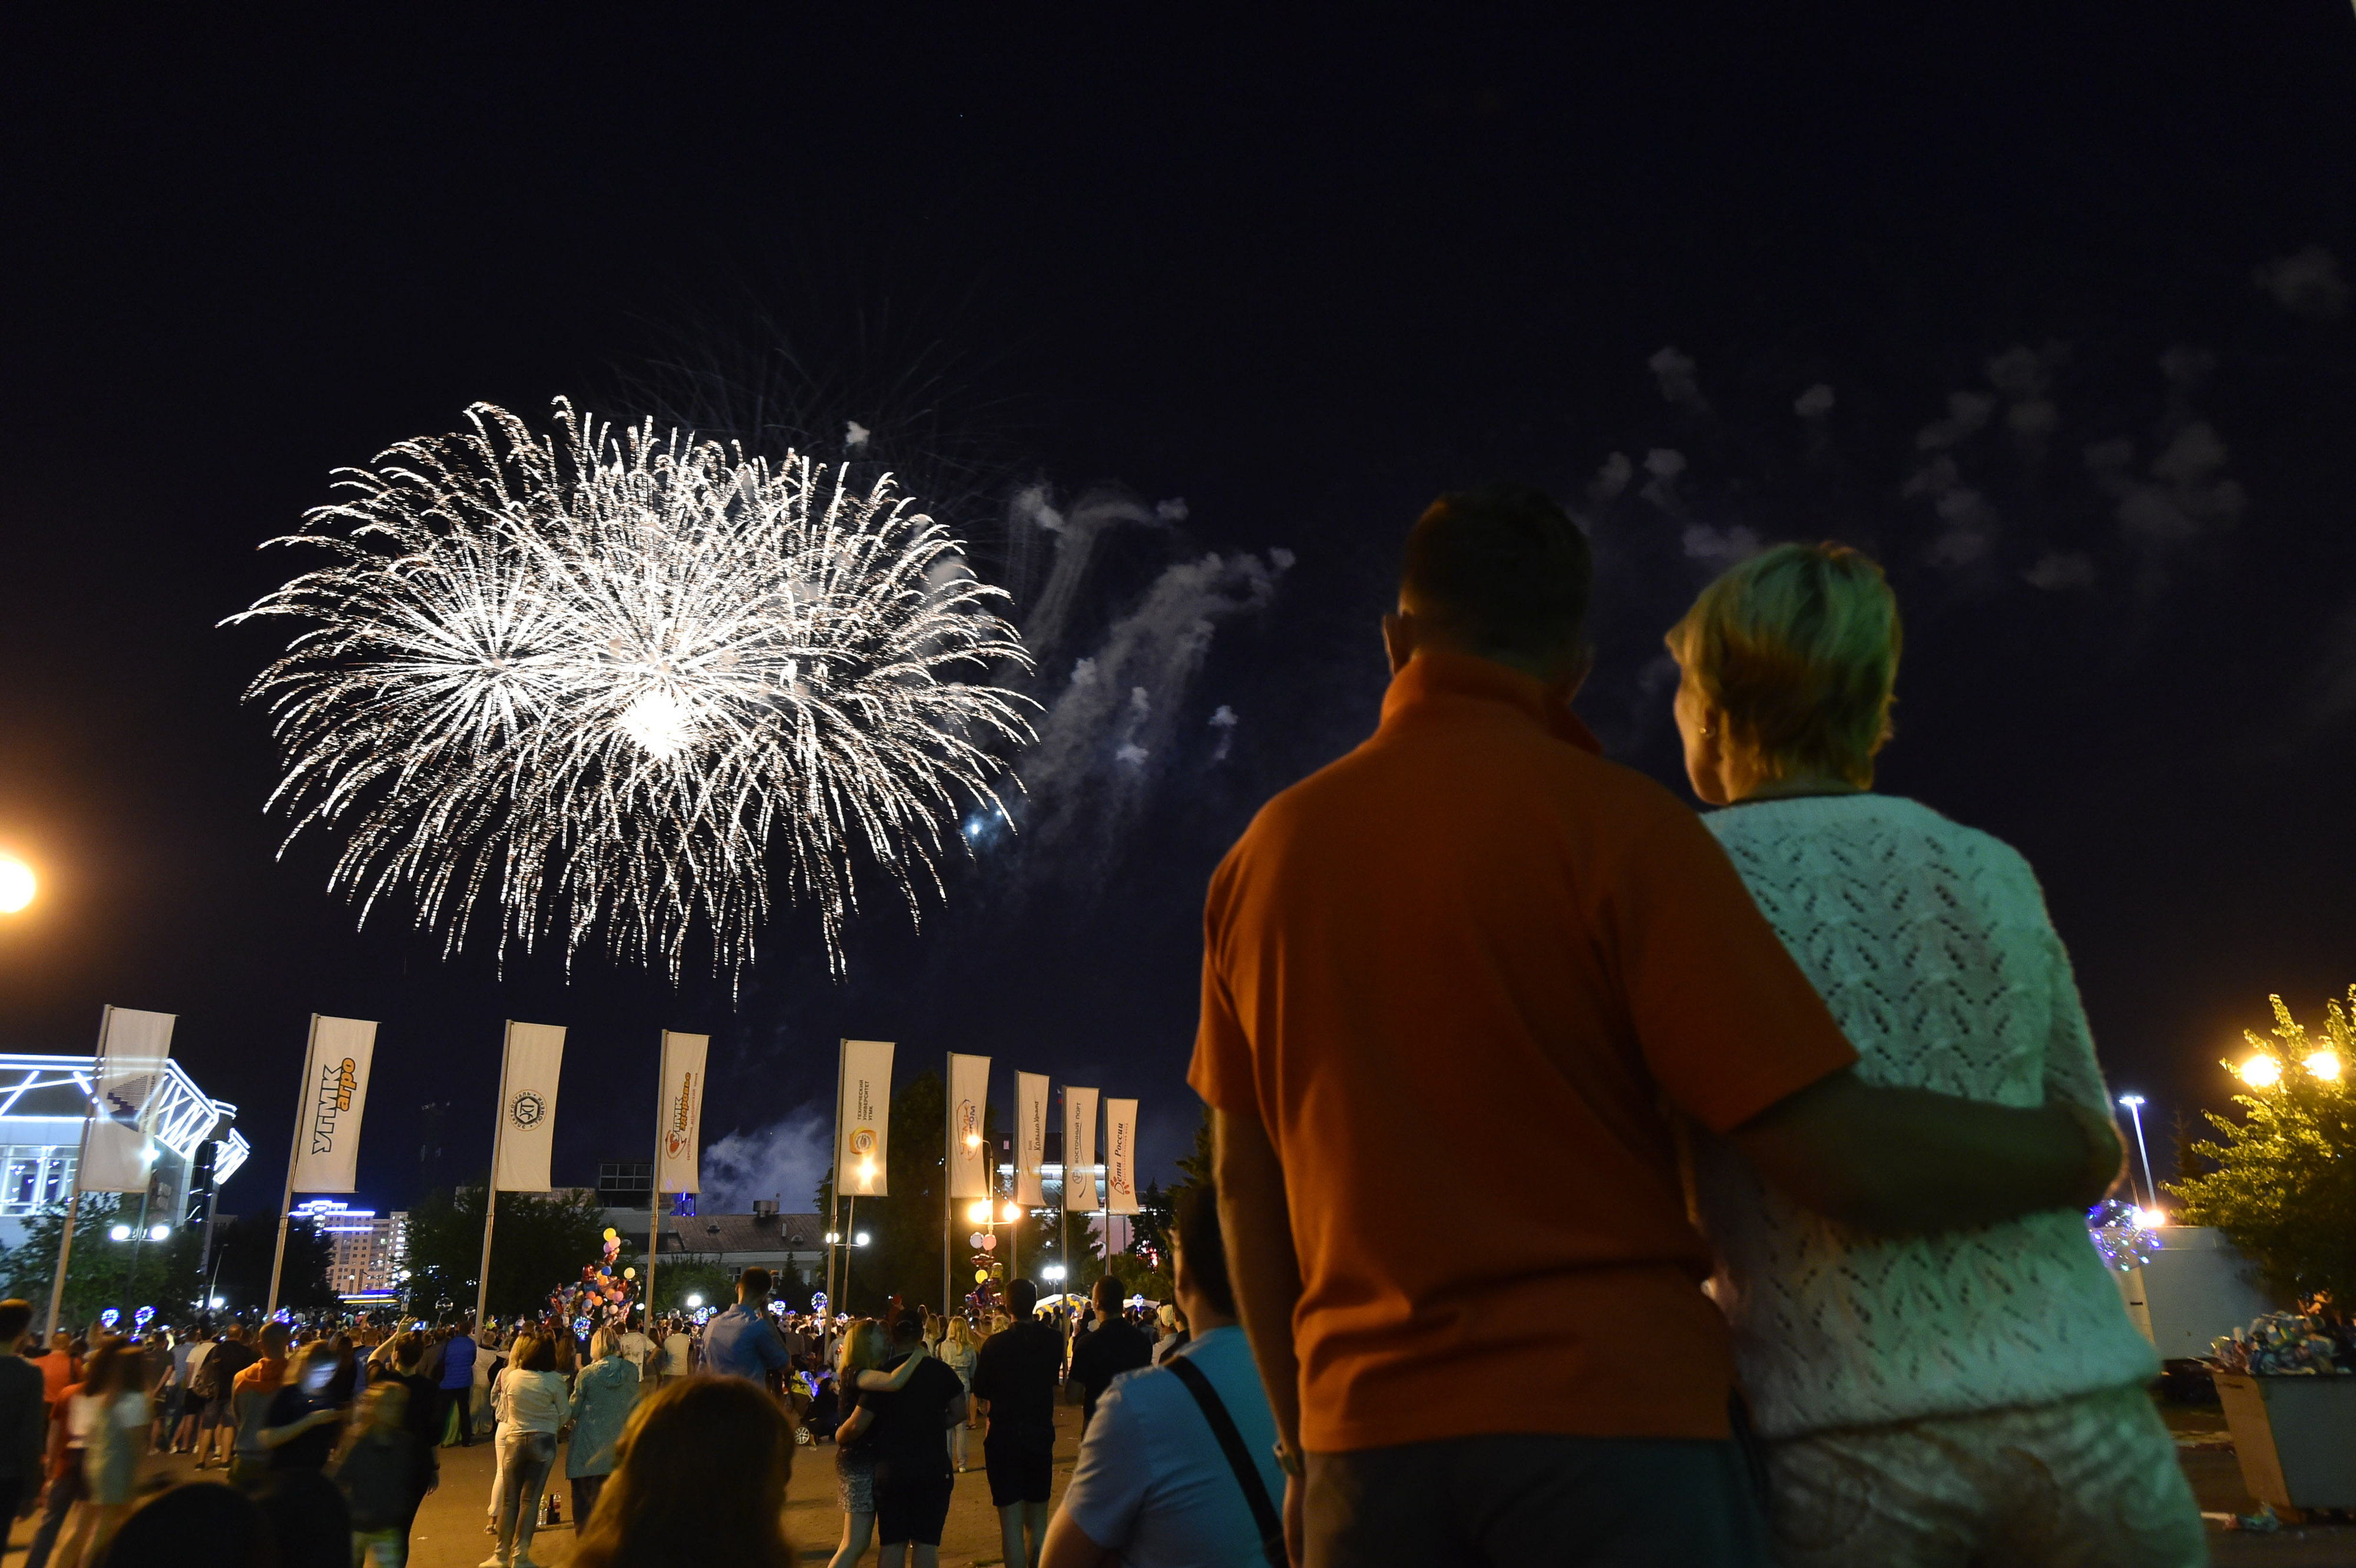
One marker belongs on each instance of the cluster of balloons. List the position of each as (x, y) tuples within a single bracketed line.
[(602, 1287)]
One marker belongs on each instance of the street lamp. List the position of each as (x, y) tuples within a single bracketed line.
[(2133, 1102), (860, 1239), (18, 885), (118, 1231), (159, 1232), (693, 1302)]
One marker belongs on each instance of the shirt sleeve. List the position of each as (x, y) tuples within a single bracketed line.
[(1222, 1069), (1727, 1021), (1109, 1484)]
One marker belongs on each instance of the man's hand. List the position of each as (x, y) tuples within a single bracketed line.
[(1296, 1547), (1255, 1213), (1904, 1160)]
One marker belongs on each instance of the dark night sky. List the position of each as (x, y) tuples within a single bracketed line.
[(1304, 280)]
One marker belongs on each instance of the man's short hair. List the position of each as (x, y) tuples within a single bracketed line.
[(1194, 1219), (1107, 1293), (16, 1317), (757, 1281), (1502, 572), (908, 1326), (1022, 1298)]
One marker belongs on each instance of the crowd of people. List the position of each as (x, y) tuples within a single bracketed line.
[(1783, 1121)]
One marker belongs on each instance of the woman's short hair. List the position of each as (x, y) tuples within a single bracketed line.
[(533, 1354), (1798, 647)]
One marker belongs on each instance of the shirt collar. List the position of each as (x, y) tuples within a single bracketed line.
[(1432, 674)]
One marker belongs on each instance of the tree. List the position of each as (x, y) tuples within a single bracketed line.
[(903, 1256), (2282, 1186), (539, 1244), (694, 1274), (101, 1274), (242, 1275)]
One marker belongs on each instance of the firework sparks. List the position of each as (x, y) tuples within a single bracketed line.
[(604, 675)]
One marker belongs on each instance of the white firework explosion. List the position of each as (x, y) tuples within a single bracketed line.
[(603, 675)]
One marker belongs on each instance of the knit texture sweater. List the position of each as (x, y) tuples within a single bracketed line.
[(1930, 943)]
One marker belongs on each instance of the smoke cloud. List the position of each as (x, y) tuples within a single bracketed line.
[(2307, 283), (785, 1160)]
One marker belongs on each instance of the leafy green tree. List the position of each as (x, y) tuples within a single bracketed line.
[(2282, 1185), (903, 1256), (677, 1278), (540, 1244), (102, 1271), (242, 1272)]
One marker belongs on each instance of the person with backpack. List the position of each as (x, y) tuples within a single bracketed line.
[(1179, 1467)]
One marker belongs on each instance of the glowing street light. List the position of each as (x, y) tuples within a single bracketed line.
[(693, 1302), (18, 885), (118, 1231), (2261, 1071), (860, 1239), (979, 1212), (159, 1232), (1010, 1214), (2133, 1102), (2324, 1064)]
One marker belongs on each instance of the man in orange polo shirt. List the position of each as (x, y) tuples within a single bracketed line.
[(1454, 985)]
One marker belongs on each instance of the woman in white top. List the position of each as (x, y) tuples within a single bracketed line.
[(531, 1403), (111, 1412), (957, 1353), (1966, 1396)]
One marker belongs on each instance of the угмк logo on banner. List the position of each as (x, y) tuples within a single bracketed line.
[(675, 1135), (337, 1081)]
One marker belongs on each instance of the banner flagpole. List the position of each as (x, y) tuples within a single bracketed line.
[(491, 1183), (834, 1193), (73, 1204), (654, 1191), (294, 1151), (948, 1153)]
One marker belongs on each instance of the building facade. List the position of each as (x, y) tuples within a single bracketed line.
[(371, 1249), (43, 1100)]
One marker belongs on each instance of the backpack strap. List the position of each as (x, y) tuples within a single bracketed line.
[(1231, 1443)]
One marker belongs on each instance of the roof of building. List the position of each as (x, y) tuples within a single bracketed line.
[(178, 1113), (736, 1233)]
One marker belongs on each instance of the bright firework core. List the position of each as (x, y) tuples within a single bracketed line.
[(602, 677)]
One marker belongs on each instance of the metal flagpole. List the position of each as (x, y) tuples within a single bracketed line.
[(948, 1152), (491, 1186), (834, 1195), (73, 1204), (849, 1240), (293, 1151), (653, 1193)]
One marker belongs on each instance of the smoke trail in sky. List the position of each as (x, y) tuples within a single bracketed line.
[(785, 1160)]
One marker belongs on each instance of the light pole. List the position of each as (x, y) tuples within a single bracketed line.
[(2133, 1102)]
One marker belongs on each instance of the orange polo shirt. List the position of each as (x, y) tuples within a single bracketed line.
[(1459, 976)]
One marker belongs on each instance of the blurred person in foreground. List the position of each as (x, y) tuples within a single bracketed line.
[(1972, 1391), (1472, 925), (701, 1479), (378, 1470), (24, 1413), (1178, 1469)]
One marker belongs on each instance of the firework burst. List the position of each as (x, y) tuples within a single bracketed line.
[(605, 675)]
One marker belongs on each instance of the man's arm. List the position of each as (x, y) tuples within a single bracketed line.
[(1261, 1263), (1068, 1546), (1900, 1160)]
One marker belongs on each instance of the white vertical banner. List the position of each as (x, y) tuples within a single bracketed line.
[(1030, 1139), (1120, 1157), (528, 1120), (335, 1096), (1080, 1149), (133, 1049), (968, 1151), (862, 1121), (681, 1151)]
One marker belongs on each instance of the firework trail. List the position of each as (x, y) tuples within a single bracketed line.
[(603, 675)]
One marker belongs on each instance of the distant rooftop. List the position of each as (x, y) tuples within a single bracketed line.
[(178, 1114)]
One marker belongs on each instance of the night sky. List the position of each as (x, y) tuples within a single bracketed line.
[(2045, 305)]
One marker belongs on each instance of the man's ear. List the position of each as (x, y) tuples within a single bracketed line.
[(1399, 639), (1576, 672)]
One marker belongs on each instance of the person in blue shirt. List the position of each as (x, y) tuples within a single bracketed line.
[(741, 1342), (1156, 1486), (458, 1378)]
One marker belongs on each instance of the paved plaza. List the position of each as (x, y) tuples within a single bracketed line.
[(450, 1527)]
